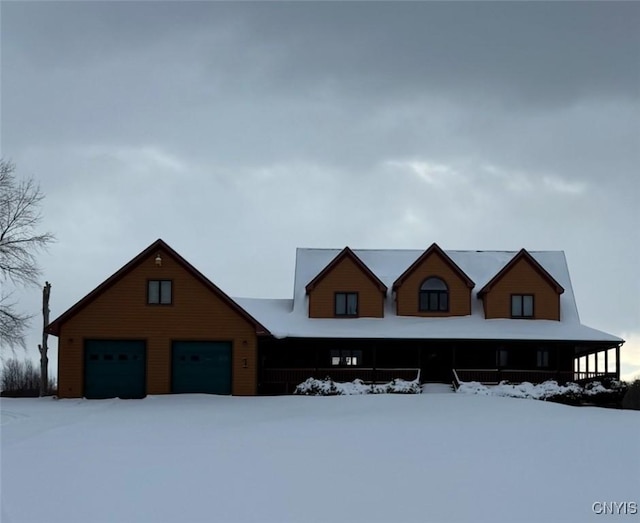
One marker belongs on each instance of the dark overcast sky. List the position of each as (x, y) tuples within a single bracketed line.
[(238, 131)]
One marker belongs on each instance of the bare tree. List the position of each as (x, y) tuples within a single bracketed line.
[(20, 242)]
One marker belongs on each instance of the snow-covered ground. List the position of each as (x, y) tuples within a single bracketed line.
[(431, 457)]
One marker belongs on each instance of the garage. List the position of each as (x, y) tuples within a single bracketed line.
[(114, 369), (201, 367)]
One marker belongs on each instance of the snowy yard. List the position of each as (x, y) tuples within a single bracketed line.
[(433, 457)]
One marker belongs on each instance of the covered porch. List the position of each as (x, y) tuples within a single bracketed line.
[(596, 362), (288, 362)]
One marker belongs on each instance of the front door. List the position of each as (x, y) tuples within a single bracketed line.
[(435, 364)]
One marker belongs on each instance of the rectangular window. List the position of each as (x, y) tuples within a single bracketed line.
[(346, 358), (502, 357), (433, 301), (346, 304), (522, 305), (542, 358), (159, 292)]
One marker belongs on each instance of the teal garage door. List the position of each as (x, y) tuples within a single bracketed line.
[(201, 366), (114, 369)]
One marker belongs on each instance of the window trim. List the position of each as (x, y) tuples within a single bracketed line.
[(346, 295), (159, 302), (438, 293), (522, 316)]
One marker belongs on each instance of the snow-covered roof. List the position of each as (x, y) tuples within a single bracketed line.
[(289, 318)]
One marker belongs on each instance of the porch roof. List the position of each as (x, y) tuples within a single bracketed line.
[(285, 321)]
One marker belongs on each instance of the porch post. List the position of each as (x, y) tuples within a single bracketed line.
[(586, 375), (597, 353), (606, 361), (373, 363), (618, 362)]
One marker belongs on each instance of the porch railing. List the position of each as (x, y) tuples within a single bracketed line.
[(456, 380), (583, 377), (369, 375), (493, 376)]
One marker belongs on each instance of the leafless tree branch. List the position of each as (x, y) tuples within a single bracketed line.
[(20, 242)]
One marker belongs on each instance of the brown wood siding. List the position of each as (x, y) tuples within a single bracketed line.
[(346, 276), (407, 295), (121, 312), (522, 278)]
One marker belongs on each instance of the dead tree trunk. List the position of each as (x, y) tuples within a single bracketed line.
[(44, 360)]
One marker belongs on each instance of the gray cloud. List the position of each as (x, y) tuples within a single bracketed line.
[(238, 131)]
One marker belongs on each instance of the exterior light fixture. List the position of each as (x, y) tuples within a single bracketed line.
[(158, 260)]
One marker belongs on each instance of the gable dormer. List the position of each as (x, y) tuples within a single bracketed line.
[(523, 289), (433, 286), (346, 288)]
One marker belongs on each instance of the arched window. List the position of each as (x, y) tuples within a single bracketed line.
[(434, 296)]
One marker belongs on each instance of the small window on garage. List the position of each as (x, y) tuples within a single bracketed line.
[(159, 292)]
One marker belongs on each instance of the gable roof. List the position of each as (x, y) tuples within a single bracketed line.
[(434, 248), (54, 326), (289, 318), (346, 253), (521, 255)]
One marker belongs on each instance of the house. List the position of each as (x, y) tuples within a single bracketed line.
[(160, 326)]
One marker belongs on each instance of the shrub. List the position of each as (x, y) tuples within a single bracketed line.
[(314, 387), (400, 386), (571, 396), (631, 399), (607, 392), (327, 387)]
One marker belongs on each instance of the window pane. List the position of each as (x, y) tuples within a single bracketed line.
[(341, 303), (424, 301), (502, 358), (543, 358), (433, 301), (165, 292), (444, 301), (356, 357), (516, 305), (434, 284), (352, 304), (527, 305), (154, 292)]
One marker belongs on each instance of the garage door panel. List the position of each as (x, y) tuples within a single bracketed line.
[(115, 368), (201, 367)]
